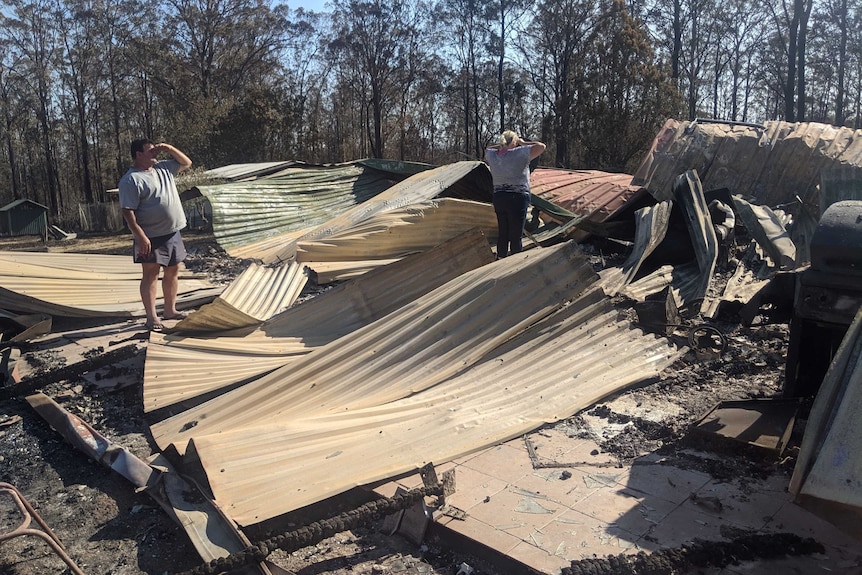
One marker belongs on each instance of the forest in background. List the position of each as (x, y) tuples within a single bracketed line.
[(237, 81)]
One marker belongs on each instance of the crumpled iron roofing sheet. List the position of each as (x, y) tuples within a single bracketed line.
[(772, 163), (70, 265), (411, 349), (275, 465), (328, 272), (583, 192), (252, 298), (273, 241), (650, 228), (253, 212), (254, 218), (175, 364), (449, 179), (84, 285), (688, 281), (388, 236), (828, 471), (768, 230), (237, 172), (688, 195)]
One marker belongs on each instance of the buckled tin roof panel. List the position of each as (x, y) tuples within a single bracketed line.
[(772, 163), (237, 172), (583, 192), (650, 229), (252, 298), (827, 473), (413, 348), (393, 234), (84, 285), (250, 212), (266, 212), (461, 179), (566, 362), (181, 368)]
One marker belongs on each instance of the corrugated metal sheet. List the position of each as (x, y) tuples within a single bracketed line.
[(583, 192), (420, 187), (772, 163), (413, 348), (268, 249), (688, 281), (767, 229), (252, 298), (688, 195), (70, 265), (395, 169), (252, 212), (328, 272), (586, 353), (272, 213), (650, 229), (393, 234), (828, 472), (237, 172), (577, 199), (84, 285), (173, 367)]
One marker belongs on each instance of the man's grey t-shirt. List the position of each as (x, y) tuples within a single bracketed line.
[(152, 195), (511, 168)]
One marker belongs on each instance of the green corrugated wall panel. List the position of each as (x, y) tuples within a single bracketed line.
[(247, 212)]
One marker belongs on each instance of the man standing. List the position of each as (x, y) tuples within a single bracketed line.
[(153, 211)]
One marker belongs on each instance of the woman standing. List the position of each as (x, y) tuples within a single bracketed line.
[(509, 162)]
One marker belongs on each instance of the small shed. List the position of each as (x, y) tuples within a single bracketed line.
[(24, 218)]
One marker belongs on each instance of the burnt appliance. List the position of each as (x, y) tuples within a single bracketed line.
[(828, 295)]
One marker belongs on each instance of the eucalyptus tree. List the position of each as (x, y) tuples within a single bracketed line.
[(626, 93), (743, 24), (379, 38), (701, 40), (202, 70), (854, 66), (789, 35), (305, 71), (842, 18), (690, 34), (10, 172), (562, 35), (32, 41), (154, 82), (430, 139), (507, 18), (79, 65), (113, 25), (416, 59), (467, 24), (835, 48), (349, 132)]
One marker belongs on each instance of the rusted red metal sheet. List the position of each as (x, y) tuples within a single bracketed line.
[(583, 191)]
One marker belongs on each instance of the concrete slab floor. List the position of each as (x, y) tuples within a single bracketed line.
[(545, 518)]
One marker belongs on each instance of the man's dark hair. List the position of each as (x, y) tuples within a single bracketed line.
[(138, 146)]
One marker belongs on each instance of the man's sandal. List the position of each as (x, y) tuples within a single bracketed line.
[(178, 315), (154, 326)]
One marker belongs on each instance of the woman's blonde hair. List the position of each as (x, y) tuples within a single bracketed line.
[(507, 137)]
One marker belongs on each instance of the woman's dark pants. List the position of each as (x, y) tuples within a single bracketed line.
[(511, 209)]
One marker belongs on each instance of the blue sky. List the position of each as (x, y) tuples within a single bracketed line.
[(315, 5)]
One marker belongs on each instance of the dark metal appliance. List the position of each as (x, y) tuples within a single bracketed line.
[(828, 295)]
